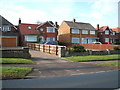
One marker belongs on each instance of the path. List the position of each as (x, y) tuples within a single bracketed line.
[(50, 65)]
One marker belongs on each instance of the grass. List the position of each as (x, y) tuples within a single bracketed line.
[(93, 58), (14, 72), (16, 61), (110, 64)]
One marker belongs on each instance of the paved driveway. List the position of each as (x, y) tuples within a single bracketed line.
[(49, 66)]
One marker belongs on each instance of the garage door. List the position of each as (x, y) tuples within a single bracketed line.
[(9, 41)]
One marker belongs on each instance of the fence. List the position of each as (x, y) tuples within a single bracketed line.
[(15, 53), (51, 49)]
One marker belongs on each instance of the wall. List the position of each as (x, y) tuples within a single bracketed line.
[(15, 53)]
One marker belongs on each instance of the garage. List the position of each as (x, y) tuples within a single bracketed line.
[(9, 41)]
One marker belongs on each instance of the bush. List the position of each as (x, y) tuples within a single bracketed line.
[(116, 48), (77, 48)]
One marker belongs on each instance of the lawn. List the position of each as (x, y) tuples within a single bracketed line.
[(110, 64), (14, 72), (16, 61), (93, 58)]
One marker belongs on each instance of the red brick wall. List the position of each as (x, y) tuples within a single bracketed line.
[(99, 46)]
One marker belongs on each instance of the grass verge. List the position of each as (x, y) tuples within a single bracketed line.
[(16, 61), (14, 72), (93, 58), (109, 64)]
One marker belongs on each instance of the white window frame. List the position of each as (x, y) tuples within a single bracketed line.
[(50, 39), (53, 29), (107, 32), (6, 28), (92, 32), (106, 39), (28, 38), (84, 31), (76, 41), (84, 40), (75, 31)]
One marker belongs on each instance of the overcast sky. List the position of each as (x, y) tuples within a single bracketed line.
[(103, 12)]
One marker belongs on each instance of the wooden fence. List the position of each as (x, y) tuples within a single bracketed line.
[(51, 49)]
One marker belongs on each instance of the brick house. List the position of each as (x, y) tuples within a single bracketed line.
[(8, 33), (117, 34), (106, 35), (72, 32), (37, 32)]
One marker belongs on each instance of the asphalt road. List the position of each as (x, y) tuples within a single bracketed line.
[(95, 80)]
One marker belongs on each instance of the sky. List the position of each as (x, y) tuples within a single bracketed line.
[(102, 12)]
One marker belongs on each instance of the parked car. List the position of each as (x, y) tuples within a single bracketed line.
[(51, 42), (96, 43)]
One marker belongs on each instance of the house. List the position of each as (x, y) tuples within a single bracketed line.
[(46, 31), (72, 32), (117, 35), (106, 35), (9, 33)]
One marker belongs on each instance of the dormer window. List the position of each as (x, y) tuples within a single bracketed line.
[(29, 27)]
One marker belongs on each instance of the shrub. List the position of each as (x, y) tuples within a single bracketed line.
[(77, 48), (116, 48)]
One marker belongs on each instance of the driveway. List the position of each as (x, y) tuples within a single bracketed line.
[(50, 66)]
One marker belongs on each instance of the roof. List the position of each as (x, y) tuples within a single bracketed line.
[(116, 30), (24, 28), (79, 25), (103, 28)]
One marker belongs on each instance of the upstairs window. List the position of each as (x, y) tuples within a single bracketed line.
[(84, 31), (106, 32), (113, 33), (75, 31), (6, 28), (92, 32), (50, 29), (29, 27), (41, 29)]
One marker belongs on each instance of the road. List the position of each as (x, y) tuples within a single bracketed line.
[(94, 80)]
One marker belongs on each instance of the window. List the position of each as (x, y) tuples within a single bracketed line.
[(84, 31), (29, 27), (31, 38), (106, 32), (50, 39), (6, 28), (75, 40), (75, 31), (41, 29), (92, 31), (106, 39), (113, 33), (84, 40), (50, 29)]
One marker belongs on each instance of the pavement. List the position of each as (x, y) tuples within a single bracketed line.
[(48, 65)]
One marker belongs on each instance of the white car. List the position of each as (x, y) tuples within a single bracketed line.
[(96, 43)]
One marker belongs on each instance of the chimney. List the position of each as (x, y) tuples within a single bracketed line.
[(19, 20), (74, 20), (56, 24), (97, 26)]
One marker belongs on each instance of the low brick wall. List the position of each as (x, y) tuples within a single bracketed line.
[(99, 47), (15, 53), (90, 52)]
